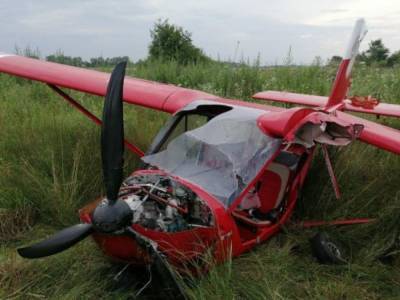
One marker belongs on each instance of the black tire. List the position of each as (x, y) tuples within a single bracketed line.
[(326, 251)]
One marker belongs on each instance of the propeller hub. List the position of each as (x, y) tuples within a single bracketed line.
[(111, 216)]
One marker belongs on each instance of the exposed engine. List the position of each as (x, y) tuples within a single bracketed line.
[(161, 203)]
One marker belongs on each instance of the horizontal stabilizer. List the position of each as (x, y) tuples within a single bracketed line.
[(292, 98), (381, 109), (379, 135)]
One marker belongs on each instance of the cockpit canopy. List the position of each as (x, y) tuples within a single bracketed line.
[(222, 156)]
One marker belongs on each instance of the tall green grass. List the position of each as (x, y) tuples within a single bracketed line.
[(50, 166)]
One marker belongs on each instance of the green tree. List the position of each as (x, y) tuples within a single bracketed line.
[(335, 60), (377, 53), (171, 42), (60, 58), (394, 59), (27, 52)]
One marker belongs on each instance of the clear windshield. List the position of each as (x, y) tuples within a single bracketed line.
[(222, 156)]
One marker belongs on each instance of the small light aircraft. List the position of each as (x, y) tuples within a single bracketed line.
[(221, 176)]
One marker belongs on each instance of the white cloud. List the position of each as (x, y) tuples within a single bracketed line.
[(110, 27)]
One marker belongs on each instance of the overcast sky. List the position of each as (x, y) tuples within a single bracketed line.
[(89, 28)]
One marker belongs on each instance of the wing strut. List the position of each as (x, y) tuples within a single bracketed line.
[(330, 171), (91, 116)]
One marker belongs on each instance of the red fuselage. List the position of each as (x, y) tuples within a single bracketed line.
[(231, 234)]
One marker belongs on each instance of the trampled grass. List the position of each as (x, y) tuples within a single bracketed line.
[(50, 166)]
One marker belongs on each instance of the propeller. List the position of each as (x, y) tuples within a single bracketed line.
[(111, 214), (112, 134), (58, 242)]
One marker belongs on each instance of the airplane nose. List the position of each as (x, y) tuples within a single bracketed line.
[(109, 216), (122, 247)]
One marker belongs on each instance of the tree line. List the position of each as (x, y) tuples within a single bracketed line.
[(170, 42), (77, 61), (94, 62), (377, 54)]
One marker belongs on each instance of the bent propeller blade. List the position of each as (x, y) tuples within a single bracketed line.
[(112, 133), (60, 241)]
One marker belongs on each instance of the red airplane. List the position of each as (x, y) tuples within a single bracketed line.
[(220, 177)]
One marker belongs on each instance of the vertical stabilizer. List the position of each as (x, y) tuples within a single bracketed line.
[(343, 75)]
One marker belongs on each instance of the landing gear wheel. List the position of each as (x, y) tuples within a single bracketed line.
[(326, 251)]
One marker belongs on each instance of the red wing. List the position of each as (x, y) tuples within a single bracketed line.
[(383, 109), (375, 134), (145, 93), (292, 98)]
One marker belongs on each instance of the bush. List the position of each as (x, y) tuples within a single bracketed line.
[(171, 42)]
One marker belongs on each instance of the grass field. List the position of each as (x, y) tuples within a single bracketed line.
[(50, 166)]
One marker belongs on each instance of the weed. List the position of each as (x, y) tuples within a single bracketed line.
[(50, 166)]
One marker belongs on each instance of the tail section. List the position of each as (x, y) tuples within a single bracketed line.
[(343, 76), (376, 134)]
